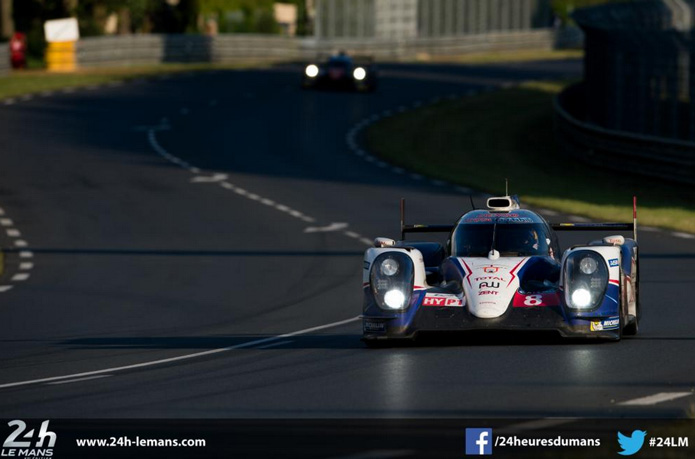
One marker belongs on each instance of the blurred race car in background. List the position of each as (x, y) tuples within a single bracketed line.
[(341, 71), (502, 269)]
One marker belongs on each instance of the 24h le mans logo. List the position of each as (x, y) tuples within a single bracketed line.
[(19, 443)]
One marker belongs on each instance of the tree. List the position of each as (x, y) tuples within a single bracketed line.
[(6, 21)]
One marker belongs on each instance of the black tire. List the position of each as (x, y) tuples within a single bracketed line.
[(632, 327)]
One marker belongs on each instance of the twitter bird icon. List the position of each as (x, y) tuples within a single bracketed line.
[(631, 445)]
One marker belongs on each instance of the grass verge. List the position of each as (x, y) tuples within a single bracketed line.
[(506, 57), (31, 81), (481, 140)]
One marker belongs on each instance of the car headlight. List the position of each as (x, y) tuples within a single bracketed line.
[(359, 73), (586, 279), (588, 265), (389, 267), (394, 299), (581, 297), (311, 70), (391, 280)]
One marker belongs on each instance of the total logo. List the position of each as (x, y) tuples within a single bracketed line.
[(19, 443), (478, 442)]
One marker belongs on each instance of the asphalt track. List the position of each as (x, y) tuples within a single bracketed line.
[(138, 259)]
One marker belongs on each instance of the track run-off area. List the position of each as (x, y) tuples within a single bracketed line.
[(191, 246)]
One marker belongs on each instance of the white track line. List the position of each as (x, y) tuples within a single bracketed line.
[(656, 398), (279, 343), (79, 379), (221, 179), (15, 234), (683, 235), (182, 357)]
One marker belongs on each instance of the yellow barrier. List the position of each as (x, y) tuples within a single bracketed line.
[(60, 56)]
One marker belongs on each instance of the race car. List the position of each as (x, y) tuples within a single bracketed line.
[(502, 269), (342, 72)]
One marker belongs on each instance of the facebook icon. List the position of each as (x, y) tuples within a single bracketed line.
[(478, 442)]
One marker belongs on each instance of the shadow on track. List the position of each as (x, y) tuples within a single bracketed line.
[(337, 341), (196, 253)]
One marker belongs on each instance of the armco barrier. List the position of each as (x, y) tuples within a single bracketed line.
[(4, 58), (667, 159), (154, 49)]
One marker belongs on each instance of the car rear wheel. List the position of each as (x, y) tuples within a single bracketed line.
[(632, 326)]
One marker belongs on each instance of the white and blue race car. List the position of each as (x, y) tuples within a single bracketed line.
[(341, 71), (501, 269)]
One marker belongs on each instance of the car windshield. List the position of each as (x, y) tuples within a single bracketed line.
[(341, 64), (517, 239)]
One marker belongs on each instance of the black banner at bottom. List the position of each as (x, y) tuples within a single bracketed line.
[(347, 438)]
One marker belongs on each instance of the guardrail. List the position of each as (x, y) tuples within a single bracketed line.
[(154, 49), (4, 58), (424, 48), (639, 68), (671, 160)]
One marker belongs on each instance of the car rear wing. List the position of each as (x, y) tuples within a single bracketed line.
[(603, 226), (421, 228), (405, 229)]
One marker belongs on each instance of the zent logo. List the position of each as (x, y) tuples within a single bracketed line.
[(478, 442), (490, 269), (631, 445)]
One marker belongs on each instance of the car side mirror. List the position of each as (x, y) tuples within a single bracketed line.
[(384, 242)]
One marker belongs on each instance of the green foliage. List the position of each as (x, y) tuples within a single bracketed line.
[(242, 16), (139, 11), (563, 8), (181, 18), (156, 16), (29, 16)]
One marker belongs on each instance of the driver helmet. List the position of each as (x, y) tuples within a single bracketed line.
[(531, 240)]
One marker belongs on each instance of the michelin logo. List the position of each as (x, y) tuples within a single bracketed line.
[(613, 262), (608, 324)]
